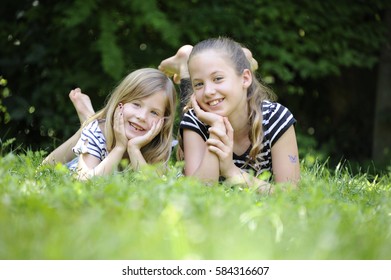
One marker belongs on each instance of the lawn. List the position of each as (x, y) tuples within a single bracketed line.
[(46, 214)]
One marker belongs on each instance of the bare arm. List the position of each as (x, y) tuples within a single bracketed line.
[(285, 158), (63, 153), (90, 165), (222, 146), (199, 161), (285, 161)]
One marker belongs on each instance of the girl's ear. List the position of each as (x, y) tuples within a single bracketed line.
[(247, 78)]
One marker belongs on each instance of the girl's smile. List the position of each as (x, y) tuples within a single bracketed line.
[(215, 102), (136, 127)]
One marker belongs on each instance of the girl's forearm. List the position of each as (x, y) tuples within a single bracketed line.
[(209, 167), (63, 153), (137, 159), (105, 167), (208, 170)]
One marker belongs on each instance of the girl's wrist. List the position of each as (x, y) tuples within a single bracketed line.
[(119, 148), (134, 150), (235, 175), (136, 159), (218, 122)]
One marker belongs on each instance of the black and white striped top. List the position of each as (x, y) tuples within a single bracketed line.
[(92, 141), (276, 120)]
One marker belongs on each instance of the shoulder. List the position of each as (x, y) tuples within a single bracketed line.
[(273, 111), (190, 121), (270, 108), (93, 129), (276, 120), (92, 141)]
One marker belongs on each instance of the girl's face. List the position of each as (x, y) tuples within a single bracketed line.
[(217, 87), (139, 115)]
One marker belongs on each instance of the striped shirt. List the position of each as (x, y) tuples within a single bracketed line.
[(276, 120), (92, 141)]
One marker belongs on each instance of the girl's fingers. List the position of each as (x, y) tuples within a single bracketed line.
[(198, 110), (229, 128), (219, 149), (118, 119), (225, 136), (216, 151), (141, 141), (194, 102), (218, 132), (205, 116), (222, 135), (215, 143), (156, 127), (119, 126)]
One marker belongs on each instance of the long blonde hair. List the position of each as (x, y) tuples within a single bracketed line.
[(256, 93), (137, 85)]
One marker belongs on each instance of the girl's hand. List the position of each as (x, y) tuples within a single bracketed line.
[(134, 145), (222, 146), (119, 128), (210, 119), (140, 141)]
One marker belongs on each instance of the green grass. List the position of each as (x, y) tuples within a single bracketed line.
[(46, 214)]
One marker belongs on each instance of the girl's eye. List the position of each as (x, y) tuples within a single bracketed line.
[(155, 113), (135, 104), (198, 85), (218, 79)]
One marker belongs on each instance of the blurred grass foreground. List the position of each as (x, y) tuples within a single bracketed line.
[(46, 214)]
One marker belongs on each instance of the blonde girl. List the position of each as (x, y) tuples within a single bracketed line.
[(233, 128), (136, 124)]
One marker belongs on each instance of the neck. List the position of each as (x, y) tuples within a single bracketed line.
[(238, 117), (241, 134), (239, 122)]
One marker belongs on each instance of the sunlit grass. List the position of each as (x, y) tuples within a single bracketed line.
[(46, 214)]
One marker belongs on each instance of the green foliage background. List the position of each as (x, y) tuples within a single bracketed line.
[(319, 56)]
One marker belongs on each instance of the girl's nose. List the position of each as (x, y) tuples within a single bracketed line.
[(209, 89), (142, 115)]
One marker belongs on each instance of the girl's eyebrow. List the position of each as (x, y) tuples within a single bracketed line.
[(216, 72)]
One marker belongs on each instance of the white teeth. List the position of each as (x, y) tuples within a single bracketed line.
[(215, 102), (138, 128)]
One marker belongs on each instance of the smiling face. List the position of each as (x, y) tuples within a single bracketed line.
[(217, 87), (139, 115)]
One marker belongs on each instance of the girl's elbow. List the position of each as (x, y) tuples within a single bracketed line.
[(291, 179)]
